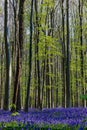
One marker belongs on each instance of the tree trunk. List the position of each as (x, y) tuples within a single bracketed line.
[(68, 89), (37, 52), (57, 77), (81, 42), (1, 83), (63, 59), (8, 56), (30, 60), (19, 58)]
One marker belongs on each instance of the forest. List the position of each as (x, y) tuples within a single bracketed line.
[(43, 64)]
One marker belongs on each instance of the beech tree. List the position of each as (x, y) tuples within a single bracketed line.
[(8, 55), (16, 95), (68, 87), (27, 99)]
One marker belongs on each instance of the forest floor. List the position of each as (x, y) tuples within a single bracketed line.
[(58, 118)]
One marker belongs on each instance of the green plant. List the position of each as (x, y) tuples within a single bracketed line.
[(84, 97), (15, 114), (13, 107)]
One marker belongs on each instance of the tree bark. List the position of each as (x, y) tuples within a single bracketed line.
[(37, 53), (81, 42), (16, 94), (68, 89), (30, 60), (8, 57), (64, 58)]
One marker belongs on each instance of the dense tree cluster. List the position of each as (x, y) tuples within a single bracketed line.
[(43, 53)]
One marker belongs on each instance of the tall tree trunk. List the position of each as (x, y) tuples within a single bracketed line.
[(47, 84), (57, 77), (15, 8), (30, 60), (52, 60), (35, 76), (37, 52), (64, 59), (68, 89), (77, 86), (16, 95), (1, 83), (81, 42), (8, 56)]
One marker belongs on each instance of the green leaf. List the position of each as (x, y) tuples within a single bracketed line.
[(84, 97)]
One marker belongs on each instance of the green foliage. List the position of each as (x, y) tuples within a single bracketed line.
[(15, 125), (13, 107), (48, 3), (15, 114), (11, 125), (84, 97), (49, 46)]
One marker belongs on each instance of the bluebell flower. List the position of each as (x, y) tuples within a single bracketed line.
[(69, 116), (81, 128), (49, 129)]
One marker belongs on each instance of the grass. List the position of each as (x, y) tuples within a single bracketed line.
[(15, 126)]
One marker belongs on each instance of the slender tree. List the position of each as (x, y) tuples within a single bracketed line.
[(30, 60), (81, 42), (64, 56), (16, 95), (37, 53), (1, 83), (8, 55), (68, 89)]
